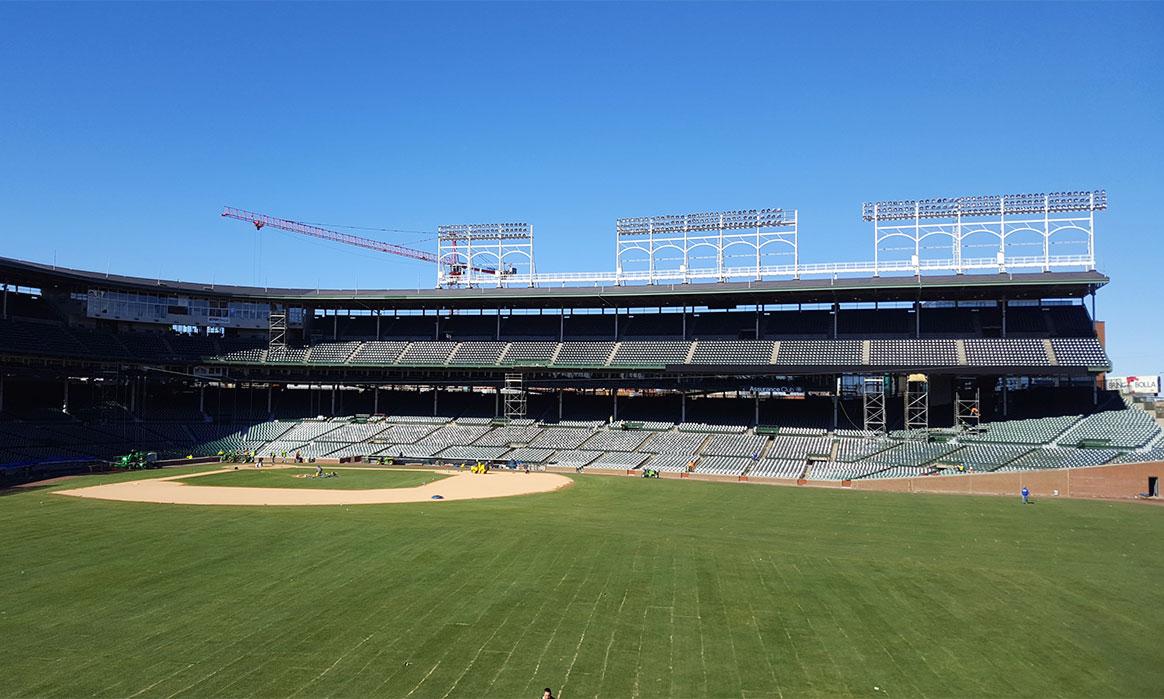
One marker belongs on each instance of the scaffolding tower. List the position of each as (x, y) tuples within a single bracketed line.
[(873, 398), (967, 410), (277, 327), (917, 405), (514, 397)]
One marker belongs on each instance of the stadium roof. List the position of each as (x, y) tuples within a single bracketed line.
[(949, 287)]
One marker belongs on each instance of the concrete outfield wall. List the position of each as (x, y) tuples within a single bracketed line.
[(1117, 481)]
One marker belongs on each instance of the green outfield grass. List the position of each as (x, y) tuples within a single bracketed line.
[(349, 478), (616, 587)]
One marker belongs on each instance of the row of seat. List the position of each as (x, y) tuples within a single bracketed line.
[(913, 353), (1043, 443)]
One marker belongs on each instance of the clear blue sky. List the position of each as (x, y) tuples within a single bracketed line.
[(124, 128)]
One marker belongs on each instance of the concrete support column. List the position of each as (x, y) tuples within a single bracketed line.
[(268, 400), (497, 402), (683, 406), (614, 392), (377, 323), (836, 399), (436, 391), (65, 397), (335, 325), (1004, 316), (755, 409), (559, 404), (334, 390), (202, 398), (376, 399)]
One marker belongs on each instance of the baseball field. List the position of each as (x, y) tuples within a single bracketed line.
[(613, 587)]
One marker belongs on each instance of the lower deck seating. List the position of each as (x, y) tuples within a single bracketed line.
[(1060, 442)]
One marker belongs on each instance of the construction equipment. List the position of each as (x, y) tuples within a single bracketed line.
[(455, 265)]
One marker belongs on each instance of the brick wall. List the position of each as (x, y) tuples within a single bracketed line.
[(1118, 481)]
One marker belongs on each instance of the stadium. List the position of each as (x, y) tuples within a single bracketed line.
[(694, 359), (712, 359)]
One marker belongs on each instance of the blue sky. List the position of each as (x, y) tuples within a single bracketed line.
[(125, 128)]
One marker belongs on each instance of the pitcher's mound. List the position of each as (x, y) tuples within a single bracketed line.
[(461, 486)]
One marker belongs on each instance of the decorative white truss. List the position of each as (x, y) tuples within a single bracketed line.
[(484, 254), (950, 232), (1012, 232)]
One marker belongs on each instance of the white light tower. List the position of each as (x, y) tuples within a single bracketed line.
[(985, 233), (715, 246), (488, 254)]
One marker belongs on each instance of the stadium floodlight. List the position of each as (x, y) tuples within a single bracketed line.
[(485, 231), (707, 221), (989, 205)]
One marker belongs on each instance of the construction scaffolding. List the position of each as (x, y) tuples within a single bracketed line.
[(917, 405), (514, 397), (967, 410), (277, 327), (873, 398)]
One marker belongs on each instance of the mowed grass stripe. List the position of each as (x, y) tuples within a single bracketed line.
[(484, 618), (610, 588), (688, 662)]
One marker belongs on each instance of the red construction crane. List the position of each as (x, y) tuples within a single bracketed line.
[(455, 266)]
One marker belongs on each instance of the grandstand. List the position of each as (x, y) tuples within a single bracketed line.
[(764, 378)]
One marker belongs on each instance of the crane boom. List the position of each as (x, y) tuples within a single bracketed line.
[(259, 221)]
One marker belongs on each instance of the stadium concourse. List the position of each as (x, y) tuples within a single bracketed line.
[(814, 380)]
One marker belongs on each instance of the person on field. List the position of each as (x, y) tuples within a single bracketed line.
[(319, 470), (547, 694), (1026, 495)]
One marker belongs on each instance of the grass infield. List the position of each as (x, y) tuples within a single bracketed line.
[(615, 587), (248, 476)]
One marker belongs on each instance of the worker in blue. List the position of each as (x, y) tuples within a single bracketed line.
[(1026, 495)]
